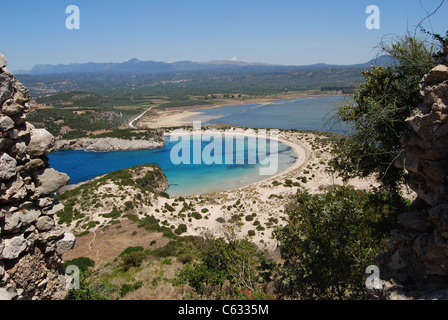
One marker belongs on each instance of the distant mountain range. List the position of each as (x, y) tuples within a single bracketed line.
[(136, 66)]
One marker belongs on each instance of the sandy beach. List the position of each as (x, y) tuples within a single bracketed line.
[(163, 119)]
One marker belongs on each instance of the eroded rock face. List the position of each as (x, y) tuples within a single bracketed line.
[(31, 243), (107, 144), (416, 264)]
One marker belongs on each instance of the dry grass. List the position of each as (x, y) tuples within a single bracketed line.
[(109, 243)]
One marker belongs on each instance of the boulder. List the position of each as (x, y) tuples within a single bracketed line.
[(13, 190), (45, 223), (6, 85), (7, 166), (34, 165), (29, 216), (65, 244), (45, 202), (12, 109), (41, 143), (414, 220), (13, 247), (11, 222), (55, 209), (8, 293), (21, 93), (3, 61), (6, 123), (49, 181)]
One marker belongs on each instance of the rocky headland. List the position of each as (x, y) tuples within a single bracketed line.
[(107, 144)]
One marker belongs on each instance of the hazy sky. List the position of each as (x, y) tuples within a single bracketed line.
[(291, 32)]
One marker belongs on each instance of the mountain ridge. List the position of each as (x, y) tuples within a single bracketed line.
[(140, 67)]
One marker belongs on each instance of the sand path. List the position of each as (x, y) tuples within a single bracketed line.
[(131, 124), (97, 252)]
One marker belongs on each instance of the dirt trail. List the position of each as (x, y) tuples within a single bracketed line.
[(97, 252)]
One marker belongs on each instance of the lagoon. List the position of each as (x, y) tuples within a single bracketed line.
[(184, 179), (313, 113)]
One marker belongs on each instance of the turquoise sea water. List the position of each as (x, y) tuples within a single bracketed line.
[(184, 179)]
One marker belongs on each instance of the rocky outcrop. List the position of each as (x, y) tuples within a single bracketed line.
[(416, 264), (31, 243), (107, 144)]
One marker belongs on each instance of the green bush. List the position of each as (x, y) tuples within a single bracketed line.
[(330, 239), (197, 215), (168, 250), (169, 207), (83, 233), (185, 258), (133, 259), (150, 223), (131, 249), (164, 194), (235, 260), (83, 263), (220, 220), (179, 246), (114, 214), (181, 229), (126, 288)]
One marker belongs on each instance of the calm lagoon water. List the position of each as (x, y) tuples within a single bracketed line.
[(303, 114), (184, 179)]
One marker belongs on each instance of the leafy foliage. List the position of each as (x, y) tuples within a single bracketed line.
[(150, 223), (226, 259), (330, 239), (133, 259), (377, 116), (130, 250), (83, 263)]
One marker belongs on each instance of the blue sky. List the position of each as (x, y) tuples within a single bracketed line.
[(291, 32)]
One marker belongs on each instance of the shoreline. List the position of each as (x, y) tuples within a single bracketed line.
[(299, 151)]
